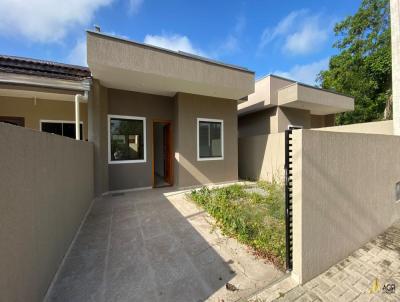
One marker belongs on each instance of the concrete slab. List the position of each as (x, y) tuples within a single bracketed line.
[(155, 245)]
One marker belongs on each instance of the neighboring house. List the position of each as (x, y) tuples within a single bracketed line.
[(156, 117), (276, 104), (40, 95)]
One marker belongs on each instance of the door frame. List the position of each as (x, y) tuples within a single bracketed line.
[(171, 155)]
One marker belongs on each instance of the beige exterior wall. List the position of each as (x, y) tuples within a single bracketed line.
[(319, 121), (128, 65), (343, 195), (46, 185), (256, 123), (33, 111), (318, 101), (382, 127), (97, 117), (293, 117), (262, 157), (265, 94), (277, 119), (188, 170), (152, 107)]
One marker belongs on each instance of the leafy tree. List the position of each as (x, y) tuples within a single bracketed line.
[(362, 68)]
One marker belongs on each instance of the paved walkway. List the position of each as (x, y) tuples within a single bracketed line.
[(154, 245), (360, 277)]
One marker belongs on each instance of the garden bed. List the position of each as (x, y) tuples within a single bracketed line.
[(254, 215)]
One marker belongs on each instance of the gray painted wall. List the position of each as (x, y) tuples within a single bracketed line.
[(152, 107), (46, 185), (188, 170), (343, 195)]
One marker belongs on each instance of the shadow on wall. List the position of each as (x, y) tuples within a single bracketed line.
[(262, 157), (127, 250)]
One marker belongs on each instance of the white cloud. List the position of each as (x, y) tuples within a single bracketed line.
[(307, 39), (231, 43), (46, 20), (173, 42), (134, 6), (282, 28), (78, 55), (299, 32), (306, 73)]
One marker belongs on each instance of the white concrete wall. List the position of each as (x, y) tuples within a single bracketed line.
[(382, 127), (262, 157), (343, 195), (46, 187)]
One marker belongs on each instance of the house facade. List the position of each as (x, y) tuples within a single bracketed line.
[(40, 95), (276, 104), (155, 117)]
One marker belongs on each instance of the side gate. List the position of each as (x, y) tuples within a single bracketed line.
[(289, 196)]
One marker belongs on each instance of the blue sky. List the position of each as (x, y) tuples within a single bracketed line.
[(289, 38)]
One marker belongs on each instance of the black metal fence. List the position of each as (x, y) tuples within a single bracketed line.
[(289, 196)]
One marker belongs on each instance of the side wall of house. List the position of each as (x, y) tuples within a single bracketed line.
[(34, 111), (46, 185), (262, 157), (344, 194), (189, 171), (97, 120)]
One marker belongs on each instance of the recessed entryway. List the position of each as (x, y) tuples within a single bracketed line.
[(162, 154)]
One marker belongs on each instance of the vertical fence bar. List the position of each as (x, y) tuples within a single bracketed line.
[(288, 200)]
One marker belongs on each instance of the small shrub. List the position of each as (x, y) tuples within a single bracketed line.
[(254, 219)]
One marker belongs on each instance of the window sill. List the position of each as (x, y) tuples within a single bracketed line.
[(126, 162), (209, 158)]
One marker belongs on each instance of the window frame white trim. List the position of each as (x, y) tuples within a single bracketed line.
[(127, 117), (63, 122), (201, 119)]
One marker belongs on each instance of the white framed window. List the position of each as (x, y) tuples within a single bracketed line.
[(210, 139), (126, 139), (63, 128)]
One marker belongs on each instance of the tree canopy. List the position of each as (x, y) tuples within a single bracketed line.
[(362, 68)]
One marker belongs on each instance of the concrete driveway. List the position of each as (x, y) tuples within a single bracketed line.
[(154, 245)]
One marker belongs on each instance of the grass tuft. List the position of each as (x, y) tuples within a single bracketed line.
[(257, 220)]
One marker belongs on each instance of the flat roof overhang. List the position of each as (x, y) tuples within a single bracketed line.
[(127, 65), (317, 101)]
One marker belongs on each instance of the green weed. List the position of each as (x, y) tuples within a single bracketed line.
[(256, 220)]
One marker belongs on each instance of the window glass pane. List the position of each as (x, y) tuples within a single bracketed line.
[(69, 130), (204, 139), (210, 144), (126, 139), (55, 128)]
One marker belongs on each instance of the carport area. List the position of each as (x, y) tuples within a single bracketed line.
[(154, 245)]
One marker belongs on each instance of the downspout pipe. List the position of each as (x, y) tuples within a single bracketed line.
[(78, 99)]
